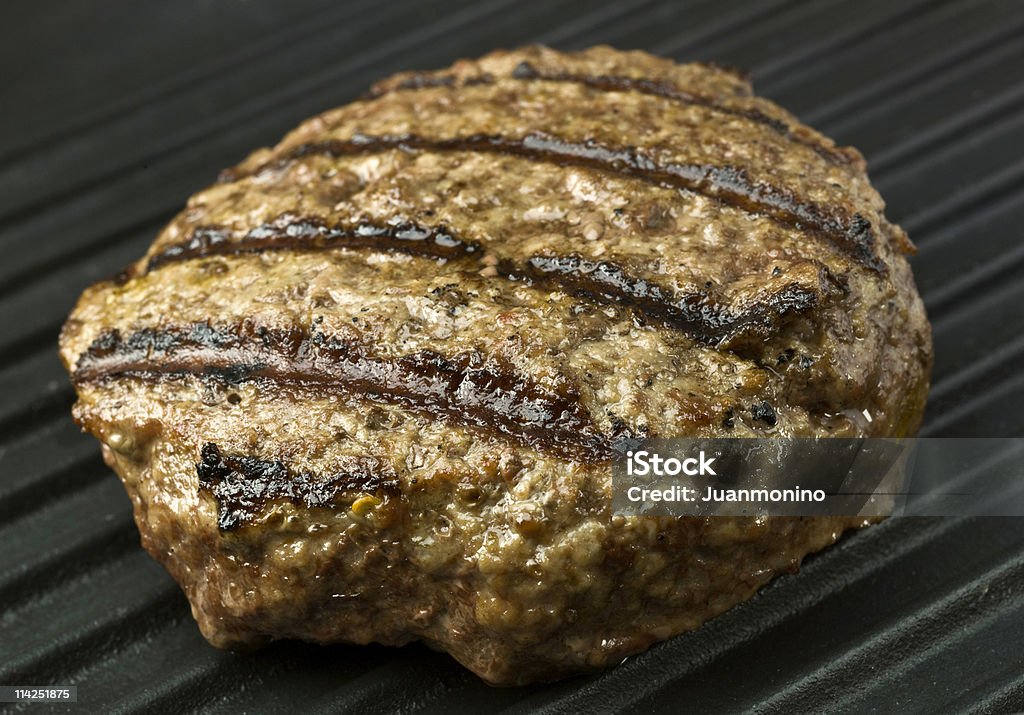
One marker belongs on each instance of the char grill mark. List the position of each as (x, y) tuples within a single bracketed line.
[(243, 485), (289, 232), (732, 186), (469, 388), (699, 314), (524, 71)]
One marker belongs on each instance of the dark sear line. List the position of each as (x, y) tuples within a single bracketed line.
[(243, 485), (524, 71), (699, 314), (732, 186), (289, 232), (469, 388)]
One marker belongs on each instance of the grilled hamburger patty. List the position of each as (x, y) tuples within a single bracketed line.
[(368, 386)]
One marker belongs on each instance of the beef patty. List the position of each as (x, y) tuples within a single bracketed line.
[(368, 386)]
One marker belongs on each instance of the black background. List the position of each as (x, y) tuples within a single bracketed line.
[(112, 112)]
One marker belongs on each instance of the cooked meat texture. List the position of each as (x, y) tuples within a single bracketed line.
[(369, 385)]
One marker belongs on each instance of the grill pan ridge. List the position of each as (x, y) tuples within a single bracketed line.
[(118, 112)]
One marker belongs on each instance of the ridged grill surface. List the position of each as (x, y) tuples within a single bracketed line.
[(114, 112)]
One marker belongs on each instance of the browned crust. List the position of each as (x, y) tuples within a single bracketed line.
[(472, 388), (701, 314), (242, 485), (313, 233), (852, 234), (527, 72), (698, 314)]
